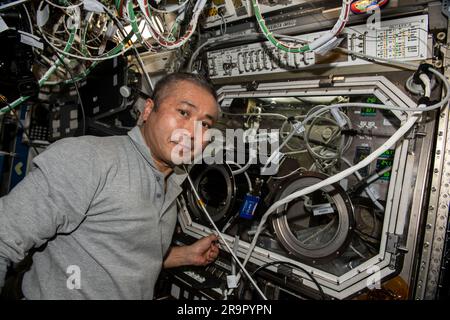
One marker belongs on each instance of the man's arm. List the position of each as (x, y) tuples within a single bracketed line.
[(53, 198), (200, 253)]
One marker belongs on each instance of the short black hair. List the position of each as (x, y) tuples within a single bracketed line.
[(171, 79)]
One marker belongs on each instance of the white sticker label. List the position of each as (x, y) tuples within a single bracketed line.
[(31, 40), (375, 192), (223, 265), (232, 282), (227, 102), (322, 209)]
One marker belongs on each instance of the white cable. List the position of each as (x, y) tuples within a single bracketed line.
[(289, 174), (249, 182), (256, 114), (427, 84), (290, 153), (408, 65), (28, 18), (147, 77), (377, 175), (223, 239), (253, 152), (418, 90), (409, 86), (357, 252), (252, 156)]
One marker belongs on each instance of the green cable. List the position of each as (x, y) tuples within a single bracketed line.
[(174, 30), (133, 21), (270, 37)]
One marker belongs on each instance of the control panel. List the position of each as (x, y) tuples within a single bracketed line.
[(402, 39), (257, 58)]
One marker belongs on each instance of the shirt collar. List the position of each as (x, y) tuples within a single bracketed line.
[(138, 141)]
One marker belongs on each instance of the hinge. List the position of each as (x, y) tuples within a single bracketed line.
[(392, 243)]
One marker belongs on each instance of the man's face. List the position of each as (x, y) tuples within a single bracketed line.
[(175, 131)]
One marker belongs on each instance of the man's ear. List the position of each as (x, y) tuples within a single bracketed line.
[(149, 105)]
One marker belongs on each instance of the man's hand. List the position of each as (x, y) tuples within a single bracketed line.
[(204, 251), (200, 253)]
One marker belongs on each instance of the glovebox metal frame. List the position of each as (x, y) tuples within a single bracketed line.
[(399, 199)]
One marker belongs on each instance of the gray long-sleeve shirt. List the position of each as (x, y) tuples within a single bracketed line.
[(100, 207)]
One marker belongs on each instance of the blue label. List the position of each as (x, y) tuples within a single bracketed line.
[(249, 206)]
